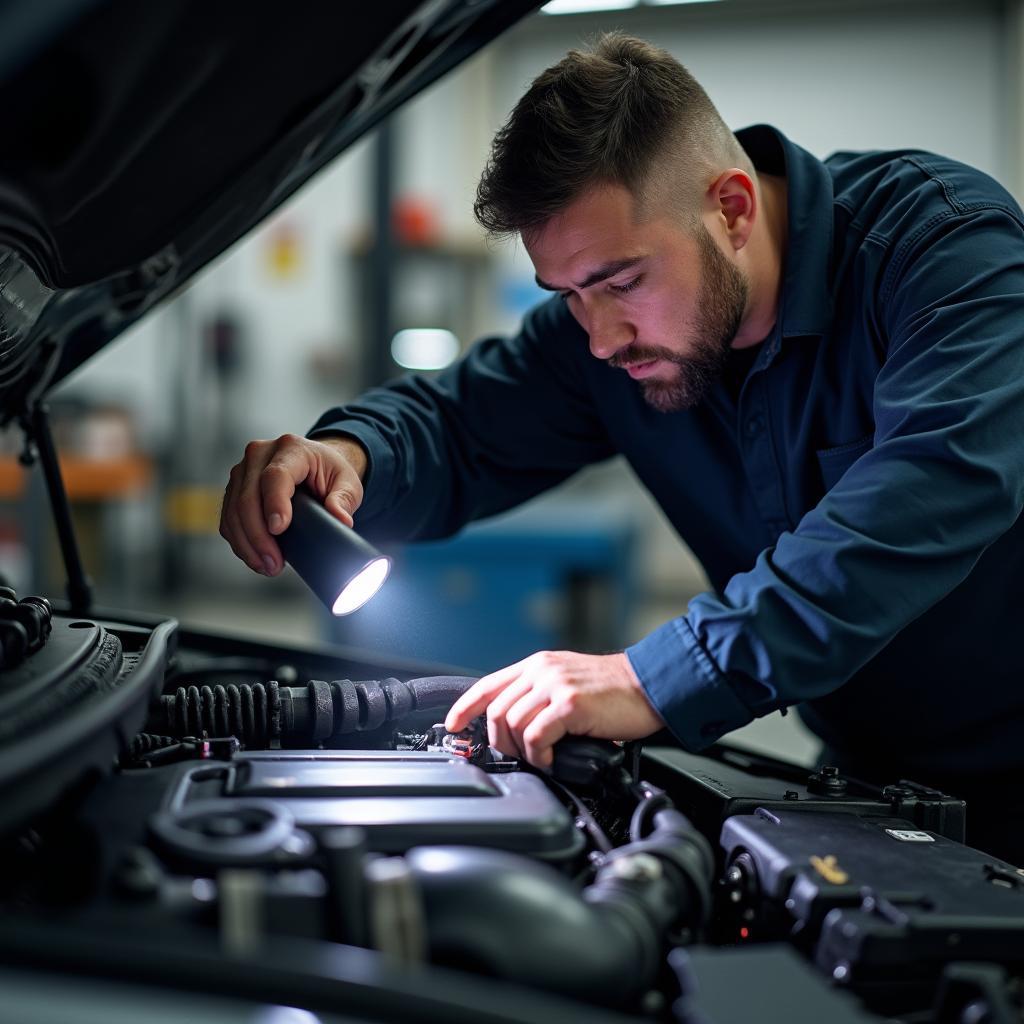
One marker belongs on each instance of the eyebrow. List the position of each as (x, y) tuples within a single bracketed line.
[(601, 274)]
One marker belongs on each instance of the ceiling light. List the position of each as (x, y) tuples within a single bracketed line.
[(595, 6), (424, 348), (585, 6)]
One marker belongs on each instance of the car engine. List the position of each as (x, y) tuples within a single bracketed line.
[(217, 827)]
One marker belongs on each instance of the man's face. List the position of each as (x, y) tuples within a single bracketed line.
[(656, 301)]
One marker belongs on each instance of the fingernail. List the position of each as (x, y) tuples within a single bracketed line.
[(270, 564), (275, 523)]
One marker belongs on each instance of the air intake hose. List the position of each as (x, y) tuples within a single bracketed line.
[(529, 923), (315, 713)]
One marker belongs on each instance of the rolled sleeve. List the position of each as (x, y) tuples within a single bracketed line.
[(905, 524), (684, 685), (512, 418)]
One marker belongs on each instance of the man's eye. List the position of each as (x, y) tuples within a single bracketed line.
[(621, 289)]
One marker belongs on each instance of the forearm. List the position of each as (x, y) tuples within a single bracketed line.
[(511, 419), (902, 528)]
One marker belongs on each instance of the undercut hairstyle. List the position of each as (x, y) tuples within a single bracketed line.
[(622, 112)]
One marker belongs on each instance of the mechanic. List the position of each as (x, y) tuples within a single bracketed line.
[(816, 368)]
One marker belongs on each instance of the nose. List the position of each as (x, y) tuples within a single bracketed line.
[(609, 331)]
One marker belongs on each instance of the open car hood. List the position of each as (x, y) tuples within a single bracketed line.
[(141, 140)]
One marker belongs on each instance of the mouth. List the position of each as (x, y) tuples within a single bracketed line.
[(640, 370)]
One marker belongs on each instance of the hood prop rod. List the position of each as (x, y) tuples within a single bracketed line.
[(39, 441)]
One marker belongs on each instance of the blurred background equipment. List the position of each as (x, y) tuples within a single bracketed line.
[(377, 264), (554, 575)]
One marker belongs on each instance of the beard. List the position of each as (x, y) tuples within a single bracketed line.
[(721, 303)]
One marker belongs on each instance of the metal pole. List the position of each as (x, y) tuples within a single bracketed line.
[(379, 365), (79, 587)]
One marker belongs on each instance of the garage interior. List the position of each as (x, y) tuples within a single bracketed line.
[(307, 311), (256, 812)]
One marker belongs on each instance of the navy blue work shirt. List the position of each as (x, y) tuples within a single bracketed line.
[(856, 500)]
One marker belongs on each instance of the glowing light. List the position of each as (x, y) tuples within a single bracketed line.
[(362, 586), (585, 6), (424, 348), (285, 1015), (593, 6), (744, 932)]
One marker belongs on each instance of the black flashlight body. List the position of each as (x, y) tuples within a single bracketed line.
[(325, 552)]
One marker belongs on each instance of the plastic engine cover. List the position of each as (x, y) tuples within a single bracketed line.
[(401, 798)]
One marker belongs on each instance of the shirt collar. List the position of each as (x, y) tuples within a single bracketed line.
[(805, 306)]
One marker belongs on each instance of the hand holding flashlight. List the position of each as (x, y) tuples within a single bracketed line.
[(258, 498), (341, 568)]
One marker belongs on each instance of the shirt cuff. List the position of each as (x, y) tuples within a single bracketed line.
[(685, 686), (380, 463)]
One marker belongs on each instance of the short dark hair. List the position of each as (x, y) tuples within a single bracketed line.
[(599, 116)]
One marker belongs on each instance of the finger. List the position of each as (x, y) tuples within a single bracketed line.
[(267, 509), (246, 505), (339, 503), (290, 463), (479, 695), (226, 504), (499, 735), (231, 531), (336, 478), (522, 713), (540, 736)]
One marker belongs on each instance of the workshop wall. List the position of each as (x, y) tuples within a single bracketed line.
[(832, 76), (269, 336)]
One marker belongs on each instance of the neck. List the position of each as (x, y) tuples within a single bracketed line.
[(767, 259)]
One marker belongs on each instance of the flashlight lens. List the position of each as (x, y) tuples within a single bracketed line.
[(362, 586)]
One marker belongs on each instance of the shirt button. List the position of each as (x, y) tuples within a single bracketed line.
[(754, 426)]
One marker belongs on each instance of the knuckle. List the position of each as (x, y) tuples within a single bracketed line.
[(287, 440), (532, 735), (567, 702), (514, 719), (274, 471), (254, 448)]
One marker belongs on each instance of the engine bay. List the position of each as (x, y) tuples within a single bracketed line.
[(222, 825)]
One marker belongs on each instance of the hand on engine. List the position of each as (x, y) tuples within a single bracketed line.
[(534, 703)]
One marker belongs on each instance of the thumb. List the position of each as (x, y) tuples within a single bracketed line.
[(341, 505)]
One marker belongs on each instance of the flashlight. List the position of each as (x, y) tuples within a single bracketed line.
[(341, 568)]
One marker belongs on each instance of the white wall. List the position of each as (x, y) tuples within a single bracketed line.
[(831, 76), (941, 75), (285, 320)]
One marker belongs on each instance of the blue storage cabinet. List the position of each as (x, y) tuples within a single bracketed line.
[(556, 574)]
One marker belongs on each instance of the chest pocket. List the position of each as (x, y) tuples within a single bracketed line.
[(834, 462)]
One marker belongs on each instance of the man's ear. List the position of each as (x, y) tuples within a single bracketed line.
[(733, 198)]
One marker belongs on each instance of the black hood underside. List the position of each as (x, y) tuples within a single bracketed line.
[(142, 140)]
